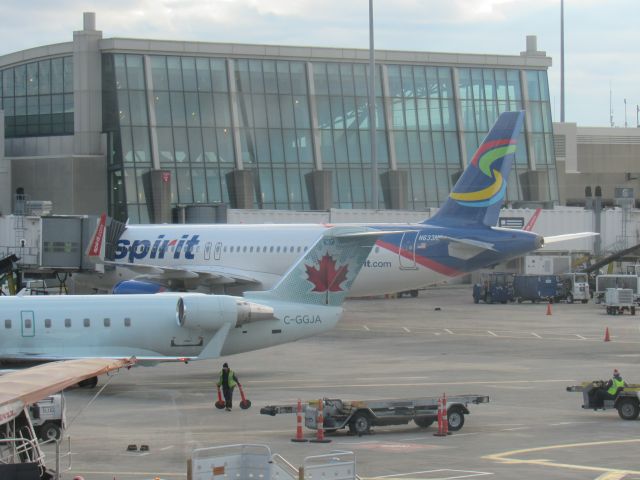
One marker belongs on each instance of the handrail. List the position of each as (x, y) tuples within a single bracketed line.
[(280, 460)]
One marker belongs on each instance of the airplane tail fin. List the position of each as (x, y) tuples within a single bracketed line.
[(477, 196), (325, 273)]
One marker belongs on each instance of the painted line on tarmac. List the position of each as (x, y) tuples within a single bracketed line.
[(491, 333), (449, 331), (295, 385), (536, 335), (612, 476), (406, 329), (366, 328), (580, 337), (504, 457), (469, 474)]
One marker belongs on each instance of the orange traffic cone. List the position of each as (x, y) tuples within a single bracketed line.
[(299, 437), (607, 337), (549, 308)]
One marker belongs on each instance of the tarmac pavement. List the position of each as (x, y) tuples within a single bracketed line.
[(389, 348)]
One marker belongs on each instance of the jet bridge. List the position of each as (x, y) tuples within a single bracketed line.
[(47, 244)]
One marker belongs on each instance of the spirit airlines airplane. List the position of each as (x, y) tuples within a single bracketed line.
[(189, 326), (460, 238)]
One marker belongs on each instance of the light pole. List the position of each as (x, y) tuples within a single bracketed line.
[(372, 112), (562, 61)]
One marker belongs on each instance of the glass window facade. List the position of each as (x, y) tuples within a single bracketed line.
[(37, 98), (284, 118)]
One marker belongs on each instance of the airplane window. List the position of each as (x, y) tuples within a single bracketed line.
[(127, 322), (7, 323), (107, 322), (377, 249), (278, 250), (27, 323), (224, 249), (306, 248), (251, 250), (87, 322), (300, 248), (47, 323), (67, 322), (271, 249), (264, 249), (244, 249)]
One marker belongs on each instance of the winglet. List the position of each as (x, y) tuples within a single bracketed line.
[(96, 246)]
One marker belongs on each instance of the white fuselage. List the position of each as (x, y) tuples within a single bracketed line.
[(148, 325), (260, 252)]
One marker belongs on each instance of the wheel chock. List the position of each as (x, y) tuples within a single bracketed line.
[(132, 447)]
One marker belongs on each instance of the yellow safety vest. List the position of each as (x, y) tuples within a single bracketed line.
[(615, 385), (232, 381)]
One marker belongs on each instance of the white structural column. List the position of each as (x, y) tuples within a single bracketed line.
[(151, 112), (524, 87), (5, 175), (388, 118), (455, 80), (313, 113), (235, 124), (87, 87)]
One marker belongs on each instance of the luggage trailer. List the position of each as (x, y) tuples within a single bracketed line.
[(360, 415)]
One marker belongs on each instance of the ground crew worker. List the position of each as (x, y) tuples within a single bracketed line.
[(610, 389), (227, 380)]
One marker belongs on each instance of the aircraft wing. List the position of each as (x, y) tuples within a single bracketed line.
[(466, 248), (200, 275), (24, 387)]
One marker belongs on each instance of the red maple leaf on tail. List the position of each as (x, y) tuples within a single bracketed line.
[(326, 277)]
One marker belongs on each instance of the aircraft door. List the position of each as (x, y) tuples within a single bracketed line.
[(407, 253), (217, 251), (207, 250), (28, 323)]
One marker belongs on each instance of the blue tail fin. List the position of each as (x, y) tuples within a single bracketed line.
[(325, 273), (477, 197)]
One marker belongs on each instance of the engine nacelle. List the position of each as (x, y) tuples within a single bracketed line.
[(136, 287), (210, 312)]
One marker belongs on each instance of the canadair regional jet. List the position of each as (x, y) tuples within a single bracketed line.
[(460, 238), (189, 326)]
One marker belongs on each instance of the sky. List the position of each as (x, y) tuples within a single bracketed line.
[(602, 66)]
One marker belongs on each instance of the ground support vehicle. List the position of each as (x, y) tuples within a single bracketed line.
[(626, 402), (604, 282), (537, 288), (576, 286), (48, 417), (619, 300), (359, 416), (495, 287)]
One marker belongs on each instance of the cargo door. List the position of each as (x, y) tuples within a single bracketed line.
[(28, 323), (407, 252)]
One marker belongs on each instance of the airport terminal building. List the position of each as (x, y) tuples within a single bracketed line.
[(136, 127)]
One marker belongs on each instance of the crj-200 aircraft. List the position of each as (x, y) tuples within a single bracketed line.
[(189, 326), (460, 238)]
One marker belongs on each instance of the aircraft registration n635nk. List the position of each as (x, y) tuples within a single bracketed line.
[(188, 326), (460, 238)]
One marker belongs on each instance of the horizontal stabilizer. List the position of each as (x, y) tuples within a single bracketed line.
[(568, 236), (464, 248)]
